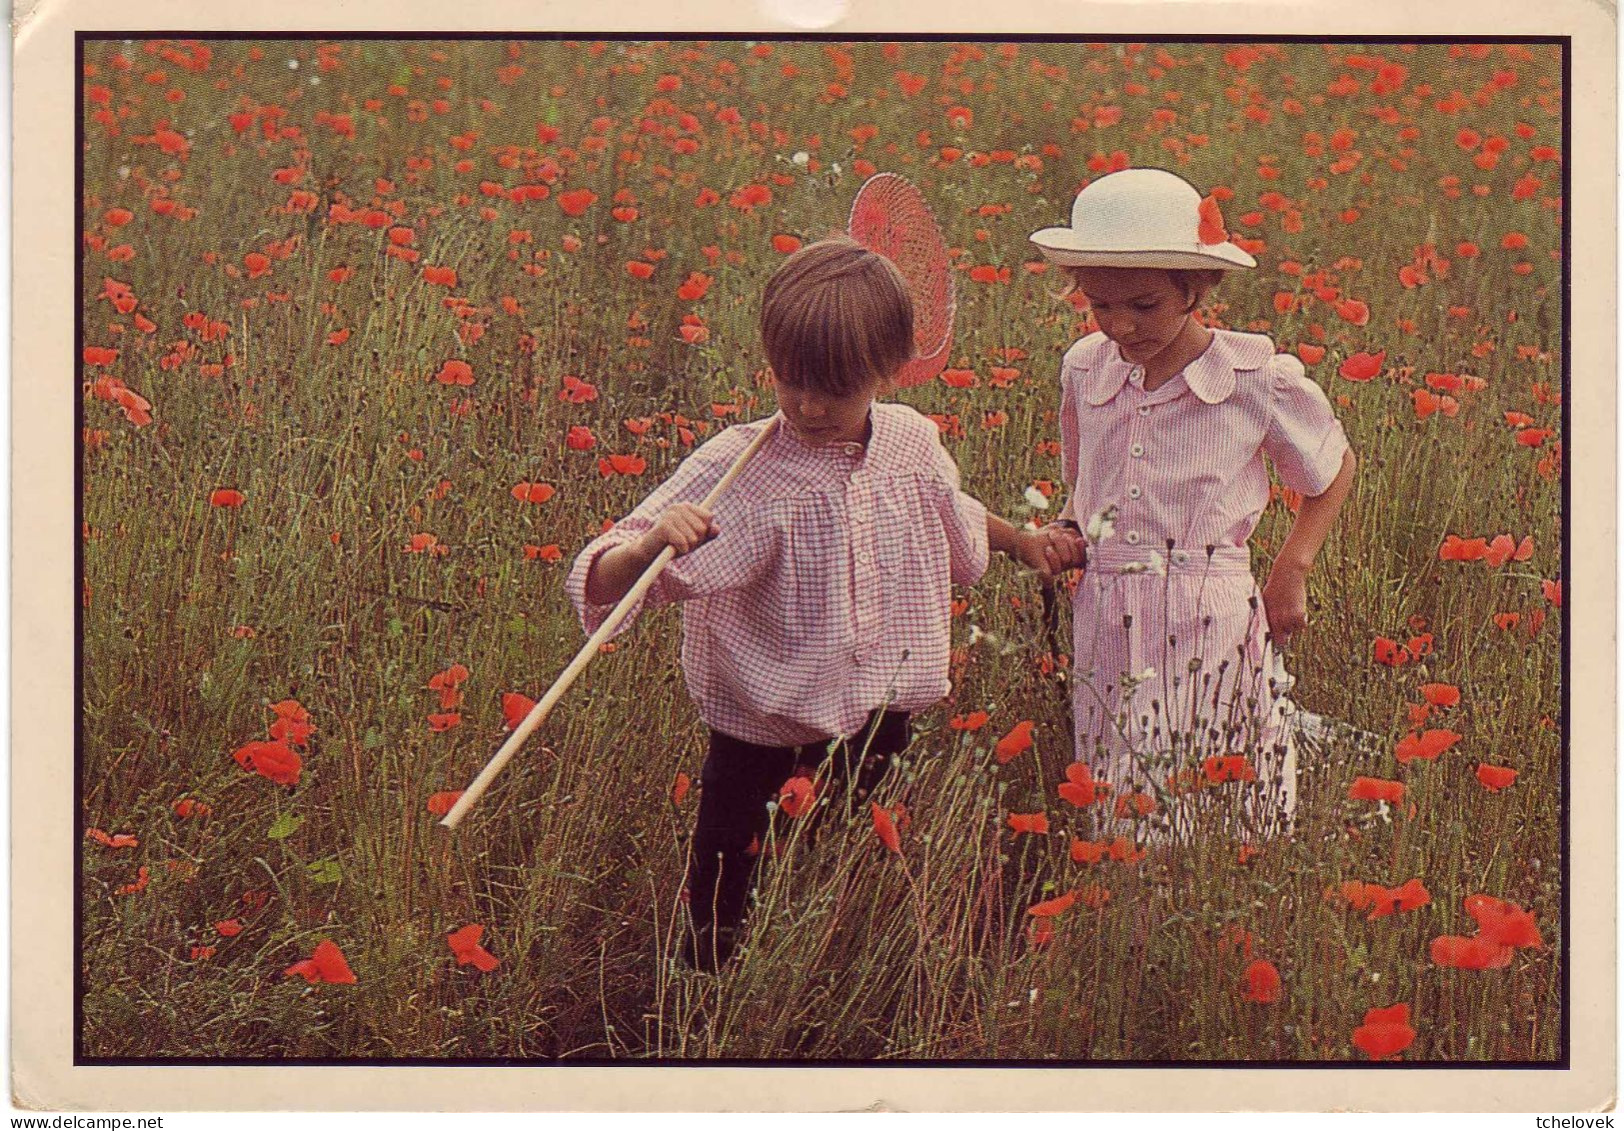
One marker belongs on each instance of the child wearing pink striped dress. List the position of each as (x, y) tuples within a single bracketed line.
[(816, 597), (1165, 424)]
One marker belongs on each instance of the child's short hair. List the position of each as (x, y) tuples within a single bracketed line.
[(1195, 282), (836, 317)]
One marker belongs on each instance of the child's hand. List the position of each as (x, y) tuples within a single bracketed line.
[(1285, 601), (682, 526), (1051, 551)]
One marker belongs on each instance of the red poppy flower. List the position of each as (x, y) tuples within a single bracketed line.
[(439, 723), (464, 944), (1376, 789), (1352, 310), (1389, 652), (515, 708), (580, 439), (795, 796), (1080, 788), (1035, 823), (229, 928), (576, 201), (1426, 745), (1135, 805), (1211, 228), (694, 286), (533, 492), (1362, 366), (1410, 895), (271, 760), (786, 245), (1456, 549), (1495, 778), (1262, 983), (1015, 743), (326, 964), (439, 276), (1385, 1033), (637, 269), (114, 840), (974, 721), (1087, 852), (226, 497), (885, 828), (679, 788), (1218, 769), (442, 803), (1440, 694), (1474, 953), (1503, 922), (622, 465), (186, 808), (1052, 907), (455, 372)]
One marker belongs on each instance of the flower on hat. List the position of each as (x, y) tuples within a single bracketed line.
[(1212, 228)]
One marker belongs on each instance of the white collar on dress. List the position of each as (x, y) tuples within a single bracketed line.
[(1210, 376)]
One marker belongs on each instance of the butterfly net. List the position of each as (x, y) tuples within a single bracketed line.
[(890, 217)]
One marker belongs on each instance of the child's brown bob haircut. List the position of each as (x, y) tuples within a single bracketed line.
[(1195, 282), (836, 318)]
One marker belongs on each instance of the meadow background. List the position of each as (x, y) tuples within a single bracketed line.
[(376, 335)]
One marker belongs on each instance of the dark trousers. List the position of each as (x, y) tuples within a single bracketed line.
[(738, 780)]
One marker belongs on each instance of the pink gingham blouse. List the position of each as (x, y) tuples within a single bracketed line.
[(827, 592)]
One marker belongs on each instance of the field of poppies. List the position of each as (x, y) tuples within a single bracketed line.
[(377, 334)]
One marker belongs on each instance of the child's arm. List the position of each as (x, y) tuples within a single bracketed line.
[(1285, 596), (1047, 554), (737, 553), (682, 525)]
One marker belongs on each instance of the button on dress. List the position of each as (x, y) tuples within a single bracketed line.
[(1171, 651)]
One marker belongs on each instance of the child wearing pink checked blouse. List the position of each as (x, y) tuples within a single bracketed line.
[(1165, 425), (816, 597)]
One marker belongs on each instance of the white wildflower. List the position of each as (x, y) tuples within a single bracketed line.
[(1100, 525), (293, 64), (1036, 499), (801, 158)]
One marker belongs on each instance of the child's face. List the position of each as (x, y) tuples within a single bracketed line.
[(1140, 309), (822, 418)]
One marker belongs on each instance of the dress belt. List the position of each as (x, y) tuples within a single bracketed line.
[(1116, 556)]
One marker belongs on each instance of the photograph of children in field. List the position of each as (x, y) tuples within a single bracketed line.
[(1168, 668)]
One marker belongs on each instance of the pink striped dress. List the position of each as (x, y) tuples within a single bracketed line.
[(1171, 653)]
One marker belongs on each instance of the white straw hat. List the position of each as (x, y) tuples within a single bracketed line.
[(1142, 218)]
